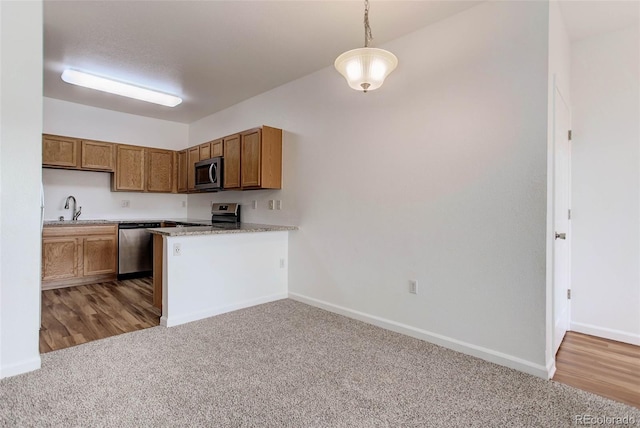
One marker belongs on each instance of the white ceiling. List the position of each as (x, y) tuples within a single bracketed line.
[(215, 54)]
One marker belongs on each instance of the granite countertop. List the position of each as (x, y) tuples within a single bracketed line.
[(118, 221), (217, 230)]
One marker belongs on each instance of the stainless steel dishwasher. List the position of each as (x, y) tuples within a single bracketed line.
[(135, 250)]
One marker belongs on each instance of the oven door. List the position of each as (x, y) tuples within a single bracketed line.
[(209, 174)]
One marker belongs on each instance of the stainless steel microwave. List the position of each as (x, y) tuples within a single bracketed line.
[(209, 174)]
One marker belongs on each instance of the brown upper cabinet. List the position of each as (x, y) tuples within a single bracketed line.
[(261, 158), (73, 153), (205, 151), (144, 169), (130, 169), (211, 149), (182, 171), (97, 155), (186, 160), (60, 152), (217, 148), (231, 162), (252, 160), (161, 173), (193, 156)]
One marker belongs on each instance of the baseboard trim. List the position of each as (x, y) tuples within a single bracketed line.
[(20, 368), (438, 339), (551, 368), (195, 316), (607, 333)]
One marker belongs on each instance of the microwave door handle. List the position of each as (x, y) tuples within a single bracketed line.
[(212, 170)]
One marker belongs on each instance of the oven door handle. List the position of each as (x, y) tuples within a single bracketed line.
[(213, 170)]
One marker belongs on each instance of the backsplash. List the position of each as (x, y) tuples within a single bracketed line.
[(92, 191)]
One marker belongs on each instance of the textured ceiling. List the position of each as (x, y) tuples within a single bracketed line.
[(213, 54)]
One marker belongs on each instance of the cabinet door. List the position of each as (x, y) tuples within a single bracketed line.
[(231, 161), (159, 170), (193, 157), (59, 151), (251, 158), (97, 155), (182, 171), (217, 148), (205, 151), (271, 158), (100, 255), (61, 258), (130, 168)]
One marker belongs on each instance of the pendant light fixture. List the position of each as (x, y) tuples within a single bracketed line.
[(366, 68)]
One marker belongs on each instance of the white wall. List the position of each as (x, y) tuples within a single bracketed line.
[(92, 189), (77, 120), (20, 154), (93, 194), (439, 176), (221, 273), (606, 192)]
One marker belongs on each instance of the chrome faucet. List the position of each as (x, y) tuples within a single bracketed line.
[(76, 214)]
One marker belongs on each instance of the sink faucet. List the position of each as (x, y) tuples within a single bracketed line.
[(76, 214)]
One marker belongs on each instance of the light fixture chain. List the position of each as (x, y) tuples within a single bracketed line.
[(367, 28)]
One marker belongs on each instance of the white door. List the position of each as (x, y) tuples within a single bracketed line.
[(562, 235)]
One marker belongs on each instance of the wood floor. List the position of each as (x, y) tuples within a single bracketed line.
[(601, 366), (75, 315)]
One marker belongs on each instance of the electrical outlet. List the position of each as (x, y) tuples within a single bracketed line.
[(413, 286), (254, 204), (281, 263), (177, 249), (124, 203), (271, 203), (278, 204), (184, 204)]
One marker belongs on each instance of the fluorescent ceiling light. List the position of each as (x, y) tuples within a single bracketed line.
[(106, 85)]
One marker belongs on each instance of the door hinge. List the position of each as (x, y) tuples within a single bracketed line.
[(569, 214), (569, 135), (568, 294)]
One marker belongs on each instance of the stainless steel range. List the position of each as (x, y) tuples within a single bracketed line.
[(226, 215)]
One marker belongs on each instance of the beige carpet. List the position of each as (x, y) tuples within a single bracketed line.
[(284, 364)]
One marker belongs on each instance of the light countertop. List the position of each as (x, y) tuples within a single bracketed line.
[(218, 230), (118, 221)]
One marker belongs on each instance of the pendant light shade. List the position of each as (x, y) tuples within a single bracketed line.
[(366, 68)]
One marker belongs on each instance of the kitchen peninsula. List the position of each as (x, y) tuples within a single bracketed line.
[(202, 271)]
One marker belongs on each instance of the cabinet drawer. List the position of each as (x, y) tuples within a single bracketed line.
[(66, 231)]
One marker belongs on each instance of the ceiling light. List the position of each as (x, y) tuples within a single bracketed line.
[(113, 87), (366, 68)]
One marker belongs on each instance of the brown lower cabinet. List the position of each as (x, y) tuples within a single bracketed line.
[(76, 255)]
